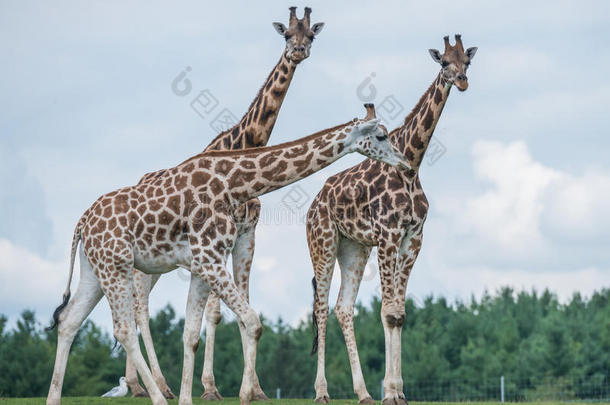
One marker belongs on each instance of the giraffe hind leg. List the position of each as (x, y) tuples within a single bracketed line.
[(131, 375), (118, 264), (87, 296), (143, 286), (352, 257), (212, 319), (198, 294), (323, 252)]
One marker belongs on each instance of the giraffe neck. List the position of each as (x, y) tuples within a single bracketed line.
[(259, 171), (413, 137), (254, 128)]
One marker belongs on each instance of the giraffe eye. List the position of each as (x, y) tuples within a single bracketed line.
[(381, 137), (444, 63)]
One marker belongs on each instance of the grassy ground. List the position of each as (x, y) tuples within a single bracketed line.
[(228, 401)]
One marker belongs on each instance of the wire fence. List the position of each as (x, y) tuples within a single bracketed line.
[(594, 388)]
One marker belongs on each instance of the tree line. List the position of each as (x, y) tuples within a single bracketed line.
[(451, 350)]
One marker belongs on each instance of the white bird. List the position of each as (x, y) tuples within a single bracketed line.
[(119, 391)]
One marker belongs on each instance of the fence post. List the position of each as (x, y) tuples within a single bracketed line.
[(502, 389), (277, 393)]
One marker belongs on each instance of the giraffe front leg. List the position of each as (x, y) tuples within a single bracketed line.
[(212, 319), (243, 253), (197, 298), (392, 317), (352, 258), (144, 284), (321, 319), (409, 251), (210, 265), (222, 284)]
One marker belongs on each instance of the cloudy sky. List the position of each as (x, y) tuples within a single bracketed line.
[(519, 197)]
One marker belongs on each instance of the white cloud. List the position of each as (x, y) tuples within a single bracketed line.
[(27, 280), (579, 206), (525, 212), (265, 263), (507, 213)]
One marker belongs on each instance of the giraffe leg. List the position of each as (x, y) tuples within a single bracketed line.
[(143, 285), (122, 303), (197, 298), (392, 317), (212, 319), (131, 375), (243, 253), (352, 257), (220, 280), (86, 298), (210, 264), (323, 253), (409, 250)]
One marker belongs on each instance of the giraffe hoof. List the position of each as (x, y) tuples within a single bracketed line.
[(259, 395), (212, 395), (140, 394), (394, 401), (324, 399), (367, 401), (167, 393)]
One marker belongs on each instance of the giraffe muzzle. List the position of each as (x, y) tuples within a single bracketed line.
[(298, 55), (461, 82)]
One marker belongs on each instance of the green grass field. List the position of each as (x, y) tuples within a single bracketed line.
[(229, 401)]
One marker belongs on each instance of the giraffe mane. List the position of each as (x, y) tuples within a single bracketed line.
[(227, 131), (417, 107), (250, 151)]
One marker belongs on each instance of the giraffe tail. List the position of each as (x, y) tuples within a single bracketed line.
[(66, 297), (314, 319)]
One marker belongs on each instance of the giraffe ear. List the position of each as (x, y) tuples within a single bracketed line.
[(280, 28), (317, 28), (471, 51), (436, 55)]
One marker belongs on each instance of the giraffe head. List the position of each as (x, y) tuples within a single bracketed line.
[(454, 61), (370, 138), (299, 35)]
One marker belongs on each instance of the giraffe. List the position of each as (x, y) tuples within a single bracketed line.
[(373, 205), (185, 218), (253, 130)]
